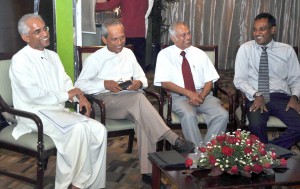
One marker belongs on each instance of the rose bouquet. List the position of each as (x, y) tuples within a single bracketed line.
[(238, 152)]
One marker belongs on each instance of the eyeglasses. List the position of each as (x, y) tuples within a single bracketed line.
[(38, 31)]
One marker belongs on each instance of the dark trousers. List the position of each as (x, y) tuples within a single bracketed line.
[(276, 107), (139, 50)]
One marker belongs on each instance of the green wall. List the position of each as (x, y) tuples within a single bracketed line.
[(64, 34)]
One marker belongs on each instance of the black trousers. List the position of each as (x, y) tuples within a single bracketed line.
[(276, 107)]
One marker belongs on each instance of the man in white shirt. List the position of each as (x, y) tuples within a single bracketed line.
[(39, 82), (284, 82), (101, 74), (186, 102)]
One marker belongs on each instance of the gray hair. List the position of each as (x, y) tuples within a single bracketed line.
[(22, 24), (107, 23), (172, 31)]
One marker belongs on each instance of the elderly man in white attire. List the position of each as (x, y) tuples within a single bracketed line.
[(187, 102), (39, 82)]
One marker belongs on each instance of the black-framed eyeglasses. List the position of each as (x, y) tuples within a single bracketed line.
[(38, 31)]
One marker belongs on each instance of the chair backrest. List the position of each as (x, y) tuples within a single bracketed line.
[(84, 51), (296, 50), (5, 86), (212, 53)]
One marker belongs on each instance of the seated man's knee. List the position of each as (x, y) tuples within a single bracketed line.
[(256, 119), (189, 115)]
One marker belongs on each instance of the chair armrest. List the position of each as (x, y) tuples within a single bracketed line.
[(167, 93), (240, 100), (101, 106), (244, 99), (230, 95), (158, 98), (6, 108)]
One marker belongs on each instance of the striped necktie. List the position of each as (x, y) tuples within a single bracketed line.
[(263, 75), (187, 74)]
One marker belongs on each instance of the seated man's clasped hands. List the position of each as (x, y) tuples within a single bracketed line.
[(101, 74), (268, 72), (39, 83), (189, 74)]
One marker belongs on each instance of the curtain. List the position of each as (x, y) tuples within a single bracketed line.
[(228, 23), (88, 16)]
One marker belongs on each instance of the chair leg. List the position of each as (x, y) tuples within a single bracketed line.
[(40, 174), (160, 145), (130, 143), (167, 146), (45, 163)]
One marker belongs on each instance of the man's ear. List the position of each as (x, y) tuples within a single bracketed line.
[(104, 39), (173, 39), (25, 38), (273, 30)]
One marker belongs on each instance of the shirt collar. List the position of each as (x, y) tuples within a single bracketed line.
[(178, 50), (269, 45), (36, 52)]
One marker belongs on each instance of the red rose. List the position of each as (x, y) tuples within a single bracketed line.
[(226, 150), (267, 165), (283, 162), (273, 155), (257, 168), (247, 168), (248, 142), (253, 138), (237, 139), (234, 170), (261, 145), (188, 162), (238, 133), (221, 138), (231, 140), (254, 157), (202, 149), (213, 142), (247, 150), (212, 160), (262, 151)]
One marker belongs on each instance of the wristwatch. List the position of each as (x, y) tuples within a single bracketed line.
[(257, 94)]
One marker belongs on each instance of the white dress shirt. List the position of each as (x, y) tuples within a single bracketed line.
[(168, 67), (284, 69), (106, 65)]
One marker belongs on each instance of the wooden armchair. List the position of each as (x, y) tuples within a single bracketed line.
[(173, 120), (114, 127), (37, 144)]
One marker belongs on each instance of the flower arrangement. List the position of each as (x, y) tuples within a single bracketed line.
[(238, 152)]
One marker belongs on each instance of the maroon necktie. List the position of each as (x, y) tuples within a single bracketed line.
[(187, 74)]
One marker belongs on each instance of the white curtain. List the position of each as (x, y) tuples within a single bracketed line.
[(228, 23)]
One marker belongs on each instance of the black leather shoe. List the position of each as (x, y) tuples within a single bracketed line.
[(184, 146), (147, 179)]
